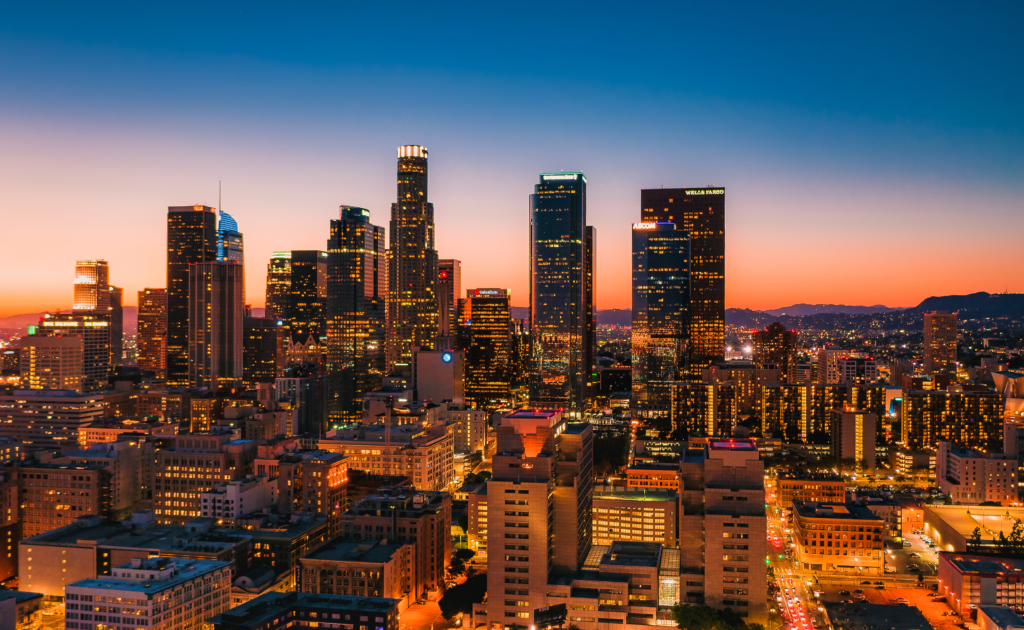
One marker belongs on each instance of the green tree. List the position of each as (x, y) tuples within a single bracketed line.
[(1017, 537), (974, 543), (460, 599), (483, 475)]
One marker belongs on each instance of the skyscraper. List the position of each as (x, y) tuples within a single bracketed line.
[(940, 336), (356, 287), (259, 350), (661, 310), (152, 337), (449, 288), (92, 277), (412, 265), (701, 213), (279, 285), (308, 293), (116, 310), (215, 345), (590, 336), (484, 329), (94, 329), (558, 292), (776, 347), (191, 238), (229, 239)]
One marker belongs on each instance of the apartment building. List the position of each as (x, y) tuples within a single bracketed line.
[(470, 429), (971, 477), (427, 455), (371, 568), (227, 502), (838, 538), (315, 482), (196, 463), (804, 486)]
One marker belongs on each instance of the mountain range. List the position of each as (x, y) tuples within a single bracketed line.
[(800, 310)]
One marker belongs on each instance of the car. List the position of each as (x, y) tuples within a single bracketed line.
[(879, 583), (914, 568), (844, 593), (860, 591), (913, 555), (868, 582), (880, 587), (901, 600), (847, 601)]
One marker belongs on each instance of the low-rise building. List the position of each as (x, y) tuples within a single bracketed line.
[(838, 538), (971, 477), (427, 455), (226, 502), (912, 463), (653, 476), (999, 618), (165, 593), (804, 486), (291, 611), (20, 610), (372, 568), (857, 616), (635, 515), (55, 495), (972, 580), (110, 431)]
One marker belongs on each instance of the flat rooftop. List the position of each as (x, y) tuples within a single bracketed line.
[(875, 617), (342, 550), (978, 563), (964, 518), (187, 569), (633, 494), (838, 511), (732, 444), (255, 612), (1002, 616)]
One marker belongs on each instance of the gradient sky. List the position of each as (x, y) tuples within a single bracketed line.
[(871, 153)]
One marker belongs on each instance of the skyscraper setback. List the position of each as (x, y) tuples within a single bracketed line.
[(191, 238), (92, 279), (559, 296), (701, 213), (412, 263)]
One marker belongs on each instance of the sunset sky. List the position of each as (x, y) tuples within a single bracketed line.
[(871, 154)]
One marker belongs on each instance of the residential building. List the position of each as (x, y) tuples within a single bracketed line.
[(971, 477), (809, 487), (314, 482), (558, 292), (940, 337), (54, 495), (853, 436), (470, 429), (52, 363), (483, 325), (191, 238), (838, 538), (970, 419), (775, 346), (298, 611), (215, 346), (636, 515), (196, 463), (653, 476), (128, 464), (372, 568), (152, 331), (701, 213), (157, 592), (425, 455), (827, 367), (227, 502), (857, 370), (47, 418), (412, 264)]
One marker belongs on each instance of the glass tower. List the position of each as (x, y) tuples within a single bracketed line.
[(412, 264), (661, 310), (701, 213), (484, 334), (558, 292), (279, 285), (92, 277), (152, 336), (356, 290), (191, 238)]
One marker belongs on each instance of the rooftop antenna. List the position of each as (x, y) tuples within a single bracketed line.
[(219, 187)]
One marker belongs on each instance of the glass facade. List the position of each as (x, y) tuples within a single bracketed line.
[(558, 292), (152, 335), (91, 280), (484, 335), (191, 238), (661, 310), (308, 293), (279, 285), (356, 313), (701, 213), (412, 264)]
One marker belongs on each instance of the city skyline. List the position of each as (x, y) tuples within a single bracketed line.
[(813, 159)]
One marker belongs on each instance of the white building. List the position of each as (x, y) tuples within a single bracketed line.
[(227, 502), (157, 593)]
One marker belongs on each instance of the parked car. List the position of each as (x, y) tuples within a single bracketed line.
[(860, 591), (844, 593), (913, 555), (879, 583), (868, 582)]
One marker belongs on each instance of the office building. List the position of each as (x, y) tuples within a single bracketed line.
[(449, 288), (857, 370), (804, 486), (427, 456), (299, 611), (307, 293), (470, 429), (51, 363), (776, 346), (838, 538), (969, 419), (356, 311), (558, 375), (412, 264), (229, 240), (590, 318), (375, 568), (215, 325), (168, 593), (940, 337), (225, 503), (95, 332), (971, 582), (972, 477), (483, 335), (279, 285), (47, 418), (316, 482), (723, 527), (92, 282), (128, 464), (191, 238), (116, 317), (661, 310), (259, 350), (420, 518), (853, 436), (196, 463), (701, 213), (152, 331), (55, 495), (439, 375), (653, 476), (636, 515)]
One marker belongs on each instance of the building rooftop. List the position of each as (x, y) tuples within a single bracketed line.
[(632, 554), (978, 563), (576, 428), (1002, 616), (18, 596), (732, 444), (846, 511), (963, 519), (255, 612), (181, 570), (803, 475), (875, 617), (634, 494), (660, 466), (344, 550)]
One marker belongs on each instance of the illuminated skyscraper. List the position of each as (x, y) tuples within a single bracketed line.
[(152, 344), (701, 213), (215, 344), (558, 292), (116, 310), (94, 329), (279, 285), (484, 328), (191, 238), (940, 336), (356, 287), (590, 336), (259, 350), (412, 265), (229, 239), (661, 311), (92, 277), (449, 288), (308, 293), (776, 347)]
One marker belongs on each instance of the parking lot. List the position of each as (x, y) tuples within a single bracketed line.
[(922, 598)]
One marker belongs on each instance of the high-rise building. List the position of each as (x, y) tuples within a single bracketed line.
[(412, 264), (969, 419), (196, 463), (191, 238), (558, 292), (483, 325), (259, 350), (356, 311), (51, 363), (229, 239), (827, 369), (152, 336), (590, 376), (116, 311), (279, 285), (92, 277), (701, 213), (449, 288), (306, 308), (776, 346), (853, 436), (857, 370), (940, 337), (215, 325), (94, 329), (661, 309)]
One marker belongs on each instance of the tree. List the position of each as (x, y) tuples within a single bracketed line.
[(483, 475), (457, 567), (703, 617), (464, 554), (460, 599), (464, 522), (1017, 537), (974, 543)]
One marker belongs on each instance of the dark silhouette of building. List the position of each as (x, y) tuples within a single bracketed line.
[(191, 238), (152, 333), (215, 325), (776, 346), (259, 354)]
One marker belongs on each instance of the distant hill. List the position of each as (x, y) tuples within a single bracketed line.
[(615, 317), (977, 304), (800, 310), (18, 323)]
